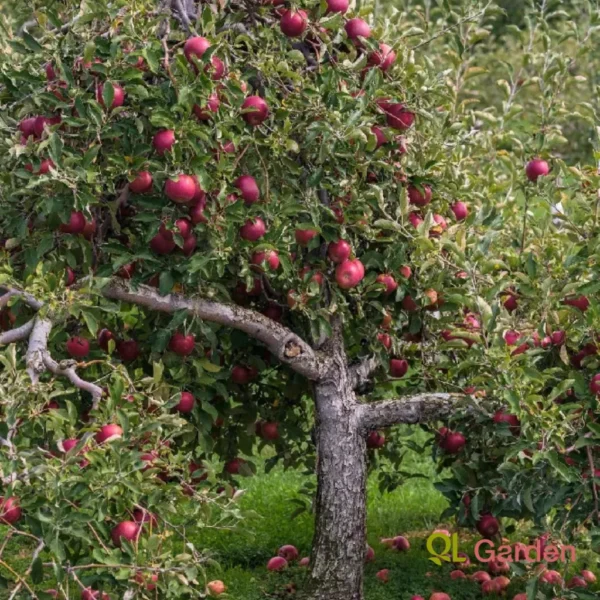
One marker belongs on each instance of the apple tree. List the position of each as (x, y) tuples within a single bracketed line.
[(230, 223)]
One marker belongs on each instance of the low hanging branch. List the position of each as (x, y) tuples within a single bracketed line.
[(420, 408), (288, 347)]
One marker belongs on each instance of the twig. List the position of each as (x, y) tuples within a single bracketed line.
[(34, 557), (592, 476), (19, 579)]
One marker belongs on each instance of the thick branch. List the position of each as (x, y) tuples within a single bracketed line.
[(282, 343), (68, 369), (420, 408), (16, 335), (360, 373), (27, 298)]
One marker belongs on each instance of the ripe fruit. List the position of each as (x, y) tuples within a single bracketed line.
[(460, 210), (375, 440), (90, 594), (340, 6), (399, 117), (388, 281), (293, 23), (277, 563), (481, 577), (128, 350), (304, 236), (108, 433), (128, 530), (551, 577), (588, 576), (356, 28), (142, 183), (216, 587), (595, 384), (268, 258), (186, 403), (118, 96), (457, 574), (304, 562), (78, 347), (383, 575), (339, 251), (512, 420), (89, 230), (385, 339), (253, 229), (398, 367), (182, 344), (185, 227), (580, 302), (511, 337), (536, 168), (234, 465), (453, 442), (76, 223), (104, 336), (288, 552), (510, 303), (163, 242), (501, 583), (163, 141), (141, 515), (487, 525), (439, 596), (400, 543), (69, 444), (27, 127), (378, 133), (498, 566), (349, 274), (405, 271), (383, 59), (419, 196), (415, 219), (44, 169), (10, 511), (203, 113), (180, 190), (558, 338), (248, 187), (195, 47), (256, 109), (268, 431), (243, 375)]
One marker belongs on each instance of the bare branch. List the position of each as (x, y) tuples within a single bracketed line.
[(38, 344), (16, 335), (361, 372), (27, 298), (288, 347), (67, 369), (420, 408)]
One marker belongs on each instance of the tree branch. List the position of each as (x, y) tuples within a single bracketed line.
[(27, 298), (360, 373), (420, 408), (67, 369), (16, 335), (288, 347)]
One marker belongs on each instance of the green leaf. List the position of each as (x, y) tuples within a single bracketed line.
[(31, 42), (37, 571), (108, 94), (56, 145)]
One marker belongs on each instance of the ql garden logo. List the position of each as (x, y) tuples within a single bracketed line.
[(444, 548)]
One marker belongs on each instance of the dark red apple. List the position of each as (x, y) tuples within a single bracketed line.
[(268, 258), (128, 350), (398, 367), (293, 23), (419, 196), (185, 227), (349, 274), (488, 525), (118, 97), (304, 236), (76, 223), (108, 433), (163, 242), (256, 110), (70, 277), (536, 168), (253, 229), (340, 6), (248, 188), (405, 271), (388, 281), (10, 511), (243, 375), (375, 440), (356, 28), (195, 47), (383, 59), (142, 183), (268, 431), (580, 302), (128, 530), (453, 442), (181, 190), (595, 384), (205, 112), (186, 403), (163, 141), (78, 347), (182, 344), (339, 251), (460, 210), (104, 336), (277, 563), (399, 117)]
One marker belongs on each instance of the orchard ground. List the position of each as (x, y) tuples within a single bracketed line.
[(270, 503)]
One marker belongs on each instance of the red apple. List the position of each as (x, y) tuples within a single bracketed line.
[(457, 574), (268, 431), (340, 6), (304, 562), (480, 577), (388, 281), (488, 525), (44, 168), (274, 312), (415, 219), (375, 440), (248, 188), (182, 344), (595, 384), (186, 403), (128, 530), (142, 183), (339, 251), (383, 575), (580, 302), (204, 113), (460, 210), (195, 47), (439, 596), (288, 552), (253, 229), (378, 133), (399, 117), (405, 271), (128, 350), (576, 582), (104, 336), (10, 511), (398, 367), (383, 59), (70, 277), (511, 337), (293, 23), (163, 242), (243, 375), (89, 230), (551, 577), (304, 236), (385, 340), (356, 28), (163, 141), (265, 258), (453, 442), (511, 420), (349, 274), (419, 196), (118, 96), (216, 587), (234, 465), (78, 347), (181, 190), (588, 576), (536, 168), (277, 563), (90, 594), (76, 223), (27, 127), (108, 433), (185, 227), (256, 109)]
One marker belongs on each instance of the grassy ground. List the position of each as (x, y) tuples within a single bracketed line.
[(412, 510)]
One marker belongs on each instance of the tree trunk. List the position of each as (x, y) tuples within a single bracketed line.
[(339, 545)]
